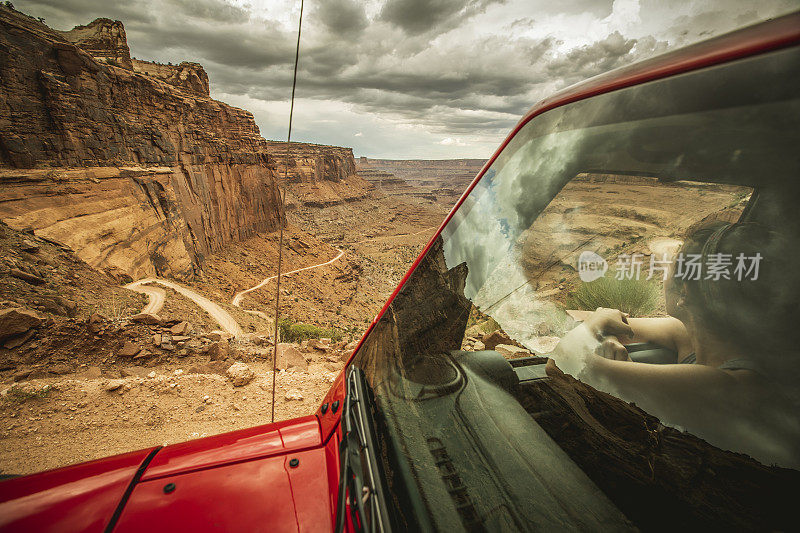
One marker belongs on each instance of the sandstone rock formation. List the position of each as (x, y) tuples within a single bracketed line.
[(105, 40), (126, 169), (318, 175), (189, 76), (130, 163)]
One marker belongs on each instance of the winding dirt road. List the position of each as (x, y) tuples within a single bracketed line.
[(157, 297), (237, 299)]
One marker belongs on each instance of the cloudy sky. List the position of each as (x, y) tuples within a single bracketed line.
[(404, 79)]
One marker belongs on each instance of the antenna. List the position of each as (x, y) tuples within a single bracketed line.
[(282, 195)]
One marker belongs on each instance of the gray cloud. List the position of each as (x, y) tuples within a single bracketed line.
[(419, 16), (342, 17), (428, 69)]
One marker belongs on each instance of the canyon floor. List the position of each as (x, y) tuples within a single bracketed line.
[(91, 381)]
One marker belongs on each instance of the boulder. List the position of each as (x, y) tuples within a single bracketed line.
[(92, 372), (60, 368), (17, 320), (319, 345), (293, 394), (29, 246), (114, 384), (147, 318), (333, 367), (97, 318), (129, 349), (134, 371), (511, 351), (214, 367), (24, 276), (261, 340), (181, 328), (478, 346), (217, 350), (217, 335), (491, 340), (18, 340), (240, 374), (290, 357)]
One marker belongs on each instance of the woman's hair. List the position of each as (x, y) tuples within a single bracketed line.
[(753, 309)]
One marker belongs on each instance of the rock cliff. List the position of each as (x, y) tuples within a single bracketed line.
[(134, 166), (104, 39), (189, 76), (318, 175)]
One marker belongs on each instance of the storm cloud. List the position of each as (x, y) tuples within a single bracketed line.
[(404, 78)]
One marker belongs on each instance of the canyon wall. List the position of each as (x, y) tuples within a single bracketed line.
[(130, 162), (318, 175)]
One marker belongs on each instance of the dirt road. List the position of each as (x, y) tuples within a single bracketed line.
[(237, 299), (157, 297)]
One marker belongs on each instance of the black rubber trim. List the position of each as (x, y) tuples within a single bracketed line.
[(136, 477)]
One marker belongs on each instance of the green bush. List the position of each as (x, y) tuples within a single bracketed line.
[(635, 297), (297, 331)]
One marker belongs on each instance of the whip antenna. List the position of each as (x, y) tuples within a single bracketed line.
[(282, 195)]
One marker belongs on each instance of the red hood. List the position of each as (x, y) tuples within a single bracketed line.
[(81, 497), (277, 476)]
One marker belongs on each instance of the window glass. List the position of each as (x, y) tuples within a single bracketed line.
[(608, 317)]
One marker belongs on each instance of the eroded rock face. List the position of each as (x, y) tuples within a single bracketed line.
[(104, 39), (130, 171), (189, 76), (318, 175)]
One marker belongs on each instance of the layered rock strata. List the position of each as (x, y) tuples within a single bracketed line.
[(318, 175), (130, 171)]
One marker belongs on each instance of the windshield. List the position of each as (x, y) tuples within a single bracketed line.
[(604, 329)]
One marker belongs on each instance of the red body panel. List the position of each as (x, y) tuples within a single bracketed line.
[(81, 497), (236, 446), (259, 495)]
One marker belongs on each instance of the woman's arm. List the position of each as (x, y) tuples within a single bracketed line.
[(668, 332)]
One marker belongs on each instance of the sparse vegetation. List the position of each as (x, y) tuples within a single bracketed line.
[(297, 331), (636, 297), (22, 395)]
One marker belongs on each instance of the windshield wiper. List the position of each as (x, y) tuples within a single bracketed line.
[(360, 482)]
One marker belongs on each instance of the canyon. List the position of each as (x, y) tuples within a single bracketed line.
[(115, 169), (131, 163)]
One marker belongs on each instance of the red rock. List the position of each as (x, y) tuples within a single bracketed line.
[(24, 276), (129, 349), (290, 357), (181, 328), (217, 350), (491, 340), (18, 340), (146, 318), (17, 320)]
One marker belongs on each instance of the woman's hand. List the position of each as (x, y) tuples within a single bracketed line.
[(604, 322), (611, 348)]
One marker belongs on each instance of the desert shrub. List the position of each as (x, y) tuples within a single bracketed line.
[(297, 331), (636, 297)]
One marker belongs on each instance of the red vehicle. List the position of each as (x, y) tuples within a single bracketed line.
[(435, 426)]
